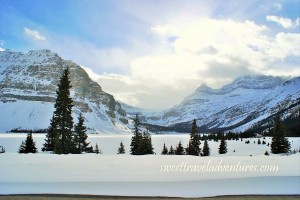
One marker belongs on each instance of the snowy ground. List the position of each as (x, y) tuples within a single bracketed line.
[(151, 175)]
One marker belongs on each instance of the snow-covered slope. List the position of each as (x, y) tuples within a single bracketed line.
[(239, 105), (28, 83)]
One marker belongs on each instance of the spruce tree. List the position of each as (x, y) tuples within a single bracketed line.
[(279, 144), (2, 149), (194, 143), (179, 149), (28, 146), (22, 148), (121, 149), (171, 151), (258, 141), (97, 150), (165, 150), (145, 146), (50, 136), (80, 137), (137, 137), (63, 115), (206, 149), (223, 147)]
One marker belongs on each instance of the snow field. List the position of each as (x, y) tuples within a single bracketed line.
[(149, 175)]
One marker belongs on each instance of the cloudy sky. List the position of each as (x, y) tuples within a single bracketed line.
[(152, 53)]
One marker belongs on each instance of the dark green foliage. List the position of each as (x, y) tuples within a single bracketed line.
[(28, 146), (63, 114), (80, 137), (97, 150), (50, 136), (258, 141), (137, 136), (121, 149), (223, 147), (145, 146), (267, 153), (279, 144), (21, 130), (205, 150), (187, 150), (179, 149), (165, 150), (194, 143), (2, 149), (60, 137), (171, 151), (141, 144), (22, 148)]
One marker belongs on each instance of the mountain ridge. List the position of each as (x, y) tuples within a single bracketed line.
[(31, 79), (236, 106)]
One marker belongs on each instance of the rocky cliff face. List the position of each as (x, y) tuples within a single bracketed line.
[(28, 83)]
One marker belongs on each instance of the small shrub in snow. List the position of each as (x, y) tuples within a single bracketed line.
[(97, 150), (267, 153), (2, 149), (121, 149)]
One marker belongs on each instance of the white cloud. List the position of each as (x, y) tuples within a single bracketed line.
[(205, 51), (1, 49), (284, 22), (34, 34)]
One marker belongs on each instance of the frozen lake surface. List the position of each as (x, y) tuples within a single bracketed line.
[(149, 175)]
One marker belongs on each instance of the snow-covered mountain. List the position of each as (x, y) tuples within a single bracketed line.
[(242, 104), (28, 83)]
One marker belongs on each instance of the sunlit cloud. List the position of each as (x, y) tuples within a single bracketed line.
[(205, 51), (284, 22), (34, 34)]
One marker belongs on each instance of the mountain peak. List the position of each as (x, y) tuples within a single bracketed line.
[(204, 89), (28, 83), (254, 82)]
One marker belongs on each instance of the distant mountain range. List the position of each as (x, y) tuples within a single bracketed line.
[(247, 102), (28, 83)]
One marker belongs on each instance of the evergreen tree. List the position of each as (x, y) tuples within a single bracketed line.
[(80, 137), (279, 144), (121, 149), (206, 150), (187, 150), (267, 153), (137, 137), (2, 149), (165, 150), (28, 146), (50, 136), (194, 143), (97, 150), (179, 149), (145, 146), (258, 141), (63, 115), (223, 147), (22, 148), (172, 151)]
